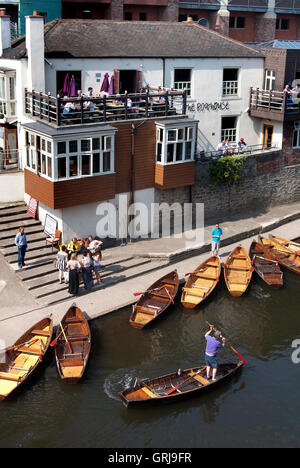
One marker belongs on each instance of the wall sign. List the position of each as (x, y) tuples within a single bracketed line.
[(50, 226), (208, 106), (32, 207)]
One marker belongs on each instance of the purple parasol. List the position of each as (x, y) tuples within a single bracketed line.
[(66, 88), (105, 83), (111, 88), (73, 91)]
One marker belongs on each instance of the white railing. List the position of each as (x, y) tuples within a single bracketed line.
[(204, 156), (230, 88)]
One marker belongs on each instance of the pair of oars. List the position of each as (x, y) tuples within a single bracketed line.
[(61, 333), (156, 289), (3, 351)]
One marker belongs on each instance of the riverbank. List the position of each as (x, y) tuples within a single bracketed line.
[(19, 310)]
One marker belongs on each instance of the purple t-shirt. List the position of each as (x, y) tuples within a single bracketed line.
[(213, 345)]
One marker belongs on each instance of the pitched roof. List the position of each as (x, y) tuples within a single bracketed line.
[(104, 39)]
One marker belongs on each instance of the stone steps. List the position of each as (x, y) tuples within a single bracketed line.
[(10, 212), (52, 276), (31, 255), (10, 233), (16, 217), (53, 287), (15, 225), (63, 295), (37, 244), (32, 239)]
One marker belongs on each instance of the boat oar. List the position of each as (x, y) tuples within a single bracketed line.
[(53, 343), (169, 295), (3, 351), (63, 331), (184, 382), (148, 291), (230, 346), (266, 259)]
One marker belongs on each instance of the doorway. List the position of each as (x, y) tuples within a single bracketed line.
[(126, 81), (268, 136)]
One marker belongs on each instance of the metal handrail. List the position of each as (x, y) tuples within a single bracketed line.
[(205, 156)]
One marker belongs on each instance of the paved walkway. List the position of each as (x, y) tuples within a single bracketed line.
[(18, 309)]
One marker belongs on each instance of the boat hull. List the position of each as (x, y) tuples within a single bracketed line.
[(135, 397), (71, 362)]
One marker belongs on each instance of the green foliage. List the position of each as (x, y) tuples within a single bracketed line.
[(227, 170)]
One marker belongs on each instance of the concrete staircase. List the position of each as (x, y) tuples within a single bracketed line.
[(41, 277)]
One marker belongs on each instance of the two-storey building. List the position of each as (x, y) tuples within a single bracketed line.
[(177, 90)]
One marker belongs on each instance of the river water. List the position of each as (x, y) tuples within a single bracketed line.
[(258, 408)]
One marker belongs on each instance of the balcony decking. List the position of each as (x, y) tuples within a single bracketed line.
[(87, 110), (273, 105)]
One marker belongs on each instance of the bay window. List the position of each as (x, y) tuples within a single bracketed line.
[(63, 159), (175, 144)]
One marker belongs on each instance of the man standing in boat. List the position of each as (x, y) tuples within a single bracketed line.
[(216, 239), (213, 344)]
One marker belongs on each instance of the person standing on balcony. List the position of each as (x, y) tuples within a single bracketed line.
[(289, 100), (216, 240), (21, 243)]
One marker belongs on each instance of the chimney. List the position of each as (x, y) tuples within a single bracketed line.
[(35, 45), (5, 38)]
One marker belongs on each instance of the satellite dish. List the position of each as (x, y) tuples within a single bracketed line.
[(203, 22)]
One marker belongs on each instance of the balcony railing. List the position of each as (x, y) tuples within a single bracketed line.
[(275, 105), (84, 110), (204, 156)]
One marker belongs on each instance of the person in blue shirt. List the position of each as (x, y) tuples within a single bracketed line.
[(216, 239), (21, 243)]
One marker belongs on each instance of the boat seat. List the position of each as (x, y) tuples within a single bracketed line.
[(213, 265), (234, 281), (12, 377), (237, 268), (200, 379), (78, 338), (206, 276), (145, 310), (149, 393), (73, 320), (192, 292), (173, 283), (34, 352), (160, 295), (257, 252), (41, 332)]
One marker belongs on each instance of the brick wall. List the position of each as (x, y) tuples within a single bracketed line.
[(245, 34), (265, 28), (292, 156), (267, 182), (276, 60)]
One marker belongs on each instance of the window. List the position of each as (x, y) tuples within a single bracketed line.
[(128, 16), (230, 81), (39, 154), (296, 135), (143, 16), (182, 80), (8, 94), (282, 24), (270, 80), (237, 22), (174, 145), (228, 131)]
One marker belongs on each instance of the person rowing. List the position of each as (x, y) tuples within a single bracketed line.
[(213, 344)]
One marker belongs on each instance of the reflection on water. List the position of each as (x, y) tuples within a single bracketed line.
[(250, 410)]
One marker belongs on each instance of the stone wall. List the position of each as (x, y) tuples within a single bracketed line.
[(267, 182)]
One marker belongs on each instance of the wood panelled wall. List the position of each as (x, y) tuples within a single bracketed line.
[(135, 169), (174, 175)]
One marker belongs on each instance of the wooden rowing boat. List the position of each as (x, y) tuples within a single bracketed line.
[(155, 301), (201, 283), (265, 266), (71, 362), (189, 382), (293, 246), (238, 271), (282, 254), (20, 362)]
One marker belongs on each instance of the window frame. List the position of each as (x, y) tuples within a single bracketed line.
[(233, 89), (185, 135), (271, 79), (183, 85)]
